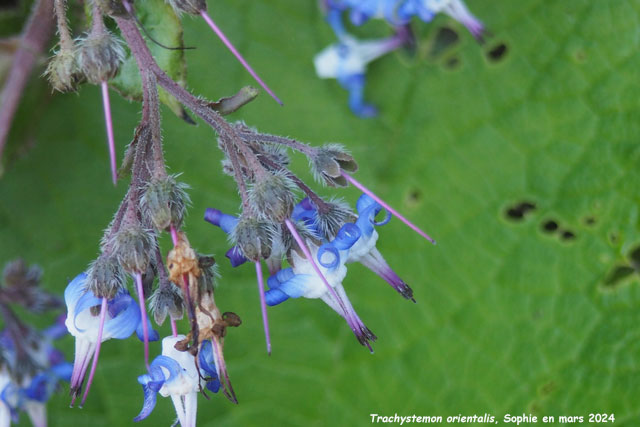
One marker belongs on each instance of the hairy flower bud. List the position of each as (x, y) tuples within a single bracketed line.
[(105, 277), (253, 238), (112, 7), (133, 247), (100, 57), (273, 197), (335, 214), (193, 7), (164, 202), (329, 161), (167, 299), (63, 72)]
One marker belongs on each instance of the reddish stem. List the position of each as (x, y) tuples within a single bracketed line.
[(34, 37), (103, 315), (237, 54), (263, 306), (109, 125), (370, 193)]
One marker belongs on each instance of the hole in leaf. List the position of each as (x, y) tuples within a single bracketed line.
[(547, 388), (518, 212), (415, 196), (452, 63), (568, 235), (549, 226), (444, 40), (634, 258), (618, 275), (497, 53), (613, 237), (590, 220)]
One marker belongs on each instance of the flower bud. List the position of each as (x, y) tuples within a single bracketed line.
[(167, 299), (100, 57), (253, 238), (329, 161), (273, 197), (132, 248), (105, 277), (112, 7), (193, 7), (63, 72), (164, 202), (335, 214)]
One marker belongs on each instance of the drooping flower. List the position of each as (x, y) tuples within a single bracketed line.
[(175, 374), (121, 319), (309, 279), (347, 62)]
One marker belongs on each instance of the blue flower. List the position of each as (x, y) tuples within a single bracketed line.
[(301, 279), (122, 320), (363, 249), (37, 386), (175, 374), (347, 62)]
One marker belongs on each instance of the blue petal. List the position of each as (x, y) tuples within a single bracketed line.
[(281, 276), (169, 364), (235, 256), (335, 256), (74, 290), (226, 222), (149, 402), (208, 365), (347, 236), (274, 297), (62, 371), (153, 334), (126, 322), (39, 388)]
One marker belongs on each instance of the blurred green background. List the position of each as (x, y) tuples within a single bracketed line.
[(513, 315)]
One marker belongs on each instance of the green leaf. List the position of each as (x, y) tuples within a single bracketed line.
[(510, 317), (161, 23)]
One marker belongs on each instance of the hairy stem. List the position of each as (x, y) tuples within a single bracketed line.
[(35, 35)]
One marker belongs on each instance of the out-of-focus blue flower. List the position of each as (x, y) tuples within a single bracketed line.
[(347, 62), (399, 12), (174, 374), (38, 382), (122, 320)]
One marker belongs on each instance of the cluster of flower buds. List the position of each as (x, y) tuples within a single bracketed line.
[(317, 237), (281, 218), (347, 59), (30, 366)]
